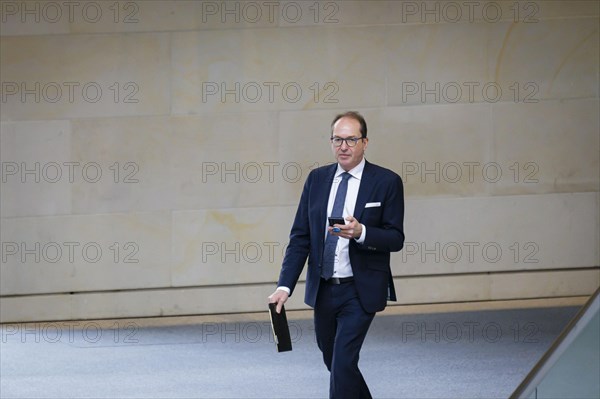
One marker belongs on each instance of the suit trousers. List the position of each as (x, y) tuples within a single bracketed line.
[(341, 325)]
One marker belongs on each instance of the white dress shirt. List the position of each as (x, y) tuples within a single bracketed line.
[(341, 266)]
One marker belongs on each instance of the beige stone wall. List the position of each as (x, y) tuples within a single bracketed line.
[(153, 152)]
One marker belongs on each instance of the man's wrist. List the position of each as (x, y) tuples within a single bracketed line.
[(283, 288), (363, 234)]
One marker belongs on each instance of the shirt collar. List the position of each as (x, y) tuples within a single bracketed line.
[(356, 172)]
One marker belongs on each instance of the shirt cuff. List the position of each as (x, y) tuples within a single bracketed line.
[(282, 288), (361, 239)]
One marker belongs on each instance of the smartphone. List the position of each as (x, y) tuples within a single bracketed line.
[(336, 220)]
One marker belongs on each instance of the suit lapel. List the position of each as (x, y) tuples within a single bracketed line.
[(367, 183), (323, 197)]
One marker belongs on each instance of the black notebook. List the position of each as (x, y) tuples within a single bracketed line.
[(281, 331)]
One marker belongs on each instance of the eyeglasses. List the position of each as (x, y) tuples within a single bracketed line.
[(350, 141)]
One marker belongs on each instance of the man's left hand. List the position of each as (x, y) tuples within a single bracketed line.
[(352, 229)]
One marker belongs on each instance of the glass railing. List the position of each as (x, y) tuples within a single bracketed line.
[(571, 367)]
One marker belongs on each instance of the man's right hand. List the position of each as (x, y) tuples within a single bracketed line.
[(279, 297)]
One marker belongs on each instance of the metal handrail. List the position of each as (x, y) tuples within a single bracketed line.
[(537, 373)]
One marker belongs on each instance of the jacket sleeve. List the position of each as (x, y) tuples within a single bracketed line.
[(299, 244)]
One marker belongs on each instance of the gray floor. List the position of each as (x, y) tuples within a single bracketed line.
[(441, 355)]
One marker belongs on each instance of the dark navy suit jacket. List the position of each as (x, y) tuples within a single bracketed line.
[(370, 260)]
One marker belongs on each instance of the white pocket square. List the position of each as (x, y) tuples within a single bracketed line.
[(372, 204)]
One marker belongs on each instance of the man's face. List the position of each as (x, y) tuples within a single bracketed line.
[(348, 157)]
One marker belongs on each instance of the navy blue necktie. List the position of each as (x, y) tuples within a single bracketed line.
[(331, 240)]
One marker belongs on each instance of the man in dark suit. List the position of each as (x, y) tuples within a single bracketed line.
[(349, 277)]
